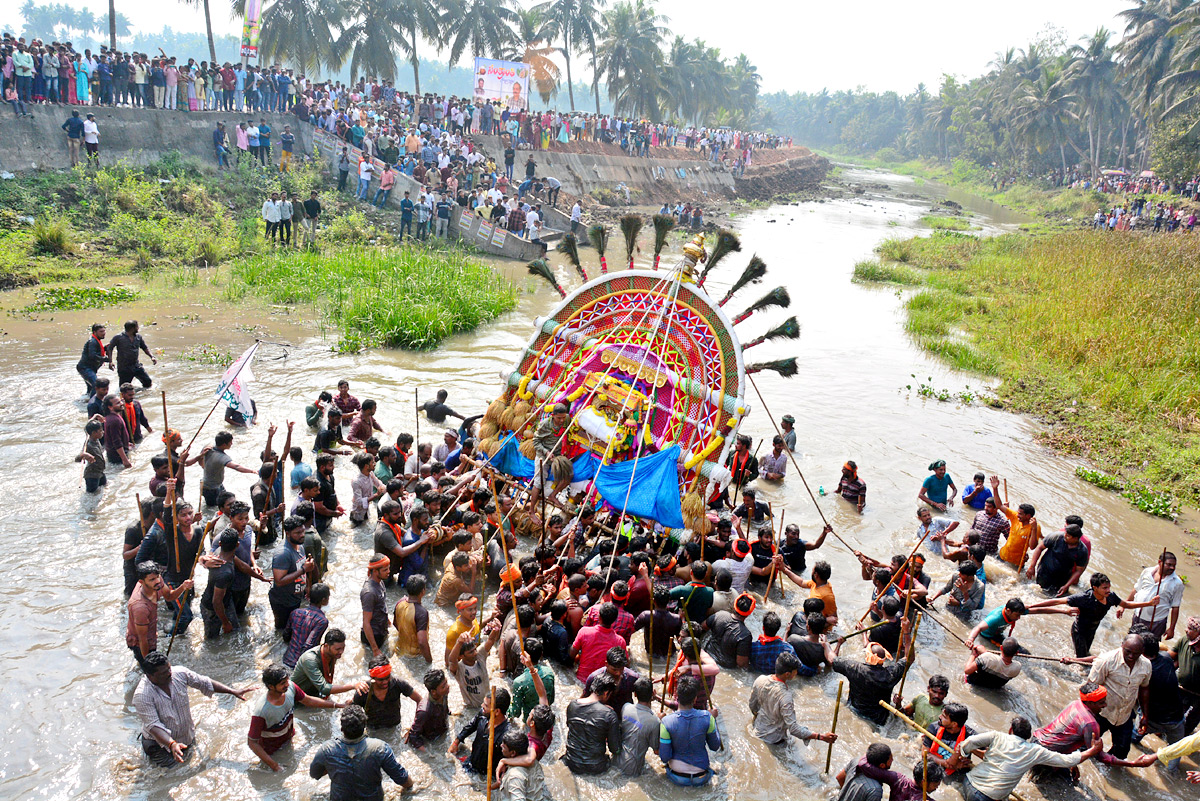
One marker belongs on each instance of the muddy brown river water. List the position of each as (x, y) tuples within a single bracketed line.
[(69, 729)]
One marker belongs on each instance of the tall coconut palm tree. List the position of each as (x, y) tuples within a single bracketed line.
[(1042, 109), (301, 32), (370, 33), (744, 83), (112, 24), (481, 27), (1091, 75), (1147, 50), (629, 56), (531, 46), (423, 20), (576, 23)]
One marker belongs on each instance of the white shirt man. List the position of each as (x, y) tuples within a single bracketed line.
[(91, 133), (271, 211)]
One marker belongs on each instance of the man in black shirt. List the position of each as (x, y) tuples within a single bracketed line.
[(125, 347), (477, 760), (326, 504), (510, 156), (93, 357), (312, 214), (437, 411), (216, 606), (730, 638), (871, 681), (593, 729), (331, 434), (794, 549)]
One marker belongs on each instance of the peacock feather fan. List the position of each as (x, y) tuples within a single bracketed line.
[(753, 273), (631, 226), (727, 242), (785, 367), (776, 297), (663, 223), (569, 247), (541, 269), (788, 329), (598, 236)]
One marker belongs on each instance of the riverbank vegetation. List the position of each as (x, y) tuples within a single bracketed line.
[(1043, 117), (171, 221), (403, 297), (1094, 333)]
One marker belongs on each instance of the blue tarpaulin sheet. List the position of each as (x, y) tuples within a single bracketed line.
[(655, 492)]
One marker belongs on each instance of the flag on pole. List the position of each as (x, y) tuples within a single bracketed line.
[(234, 388)]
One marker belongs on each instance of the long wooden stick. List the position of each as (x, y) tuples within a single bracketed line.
[(174, 495), (778, 539), (737, 484), (912, 653), (214, 406), (662, 698), (951, 632), (897, 575), (925, 772), (417, 439), (837, 708), (141, 517), (857, 632), (796, 465), (927, 733), (491, 742)]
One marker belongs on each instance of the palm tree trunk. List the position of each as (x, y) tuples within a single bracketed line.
[(212, 46), (567, 56), (112, 24), (416, 62)]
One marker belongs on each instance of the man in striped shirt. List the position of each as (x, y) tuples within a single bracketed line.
[(305, 626)]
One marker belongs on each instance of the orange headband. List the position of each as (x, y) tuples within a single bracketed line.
[(1099, 695), (669, 568), (853, 472), (510, 574), (738, 601), (384, 562), (872, 658), (467, 604), (617, 597), (381, 672), (170, 435)]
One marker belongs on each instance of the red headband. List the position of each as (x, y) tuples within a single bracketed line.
[(381, 672), (467, 604), (1099, 695), (741, 548), (384, 562), (618, 597)]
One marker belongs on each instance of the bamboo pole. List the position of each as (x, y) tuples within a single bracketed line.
[(896, 575), (172, 493), (662, 698), (777, 537), (857, 632), (796, 464), (924, 774), (912, 654), (491, 742), (837, 708), (912, 723), (738, 484)]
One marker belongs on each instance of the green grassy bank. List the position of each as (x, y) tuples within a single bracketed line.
[(70, 231), (1095, 333)]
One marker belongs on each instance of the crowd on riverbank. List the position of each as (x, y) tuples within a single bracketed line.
[(537, 598), (55, 74)]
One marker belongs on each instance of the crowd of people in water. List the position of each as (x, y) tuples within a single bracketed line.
[(559, 598)]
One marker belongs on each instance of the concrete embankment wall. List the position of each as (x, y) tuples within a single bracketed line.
[(140, 136)]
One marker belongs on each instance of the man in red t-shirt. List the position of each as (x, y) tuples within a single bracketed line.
[(271, 724), (592, 643)]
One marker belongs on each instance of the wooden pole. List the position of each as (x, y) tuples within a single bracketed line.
[(491, 742), (141, 517), (925, 771), (912, 723), (174, 495), (896, 575), (737, 484), (857, 632), (778, 536), (912, 654), (210, 411), (417, 438), (837, 708), (662, 698)]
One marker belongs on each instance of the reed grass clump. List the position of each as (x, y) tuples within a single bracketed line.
[(945, 223), (1093, 332), (870, 271), (401, 297)]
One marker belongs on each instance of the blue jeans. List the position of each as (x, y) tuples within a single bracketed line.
[(222, 157), (89, 377), (405, 225), (381, 193), (24, 87), (970, 793), (185, 600), (364, 186), (52, 89), (94, 485), (689, 781)]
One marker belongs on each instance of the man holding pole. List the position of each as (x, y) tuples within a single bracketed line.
[(1008, 757), (773, 708)]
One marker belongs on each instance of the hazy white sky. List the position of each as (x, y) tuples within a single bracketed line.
[(876, 44)]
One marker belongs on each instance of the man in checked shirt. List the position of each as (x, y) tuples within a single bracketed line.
[(161, 701)]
